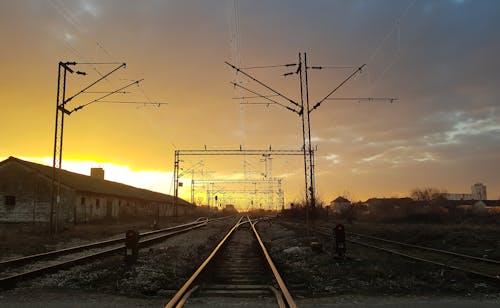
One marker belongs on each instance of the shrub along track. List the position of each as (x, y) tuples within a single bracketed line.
[(483, 268), (28, 267), (483, 273)]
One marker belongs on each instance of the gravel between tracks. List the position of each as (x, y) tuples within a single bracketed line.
[(163, 268), (364, 272), (160, 268)]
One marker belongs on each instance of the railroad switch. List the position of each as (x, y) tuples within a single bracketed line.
[(131, 246), (339, 233)]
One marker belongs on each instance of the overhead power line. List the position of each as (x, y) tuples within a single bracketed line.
[(364, 99), (122, 65), (257, 96), (330, 67), (269, 66), (104, 96), (338, 87), (265, 97), (262, 84), (133, 102)]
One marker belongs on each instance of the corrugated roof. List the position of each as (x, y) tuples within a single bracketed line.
[(90, 184)]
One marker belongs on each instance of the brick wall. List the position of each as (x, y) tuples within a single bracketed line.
[(25, 195)]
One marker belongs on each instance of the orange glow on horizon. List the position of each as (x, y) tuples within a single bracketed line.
[(155, 180)]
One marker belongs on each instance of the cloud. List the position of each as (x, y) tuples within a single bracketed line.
[(334, 158), (437, 57), (90, 8)]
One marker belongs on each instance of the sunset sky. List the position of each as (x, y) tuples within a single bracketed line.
[(440, 58)]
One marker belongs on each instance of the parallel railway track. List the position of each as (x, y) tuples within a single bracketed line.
[(19, 269), (239, 266), (483, 268)]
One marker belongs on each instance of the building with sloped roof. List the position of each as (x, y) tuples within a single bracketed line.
[(340, 204), (26, 191)]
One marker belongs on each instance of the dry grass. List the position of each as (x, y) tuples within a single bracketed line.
[(367, 271), (20, 239), (474, 239)]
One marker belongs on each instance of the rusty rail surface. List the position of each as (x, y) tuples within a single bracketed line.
[(175, 301), (326, 230), (11, 280), (283, 296), (60, 252), (284, 290), (451, 253)]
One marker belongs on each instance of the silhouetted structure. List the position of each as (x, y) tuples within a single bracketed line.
[(339, 205), (25, 196)]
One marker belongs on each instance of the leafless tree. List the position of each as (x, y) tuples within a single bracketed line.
[(427, 194)]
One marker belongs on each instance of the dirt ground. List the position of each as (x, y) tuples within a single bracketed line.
[(474, 239), (364, 271), (161, 269), (21, 239), (316, 279), (62, 298)]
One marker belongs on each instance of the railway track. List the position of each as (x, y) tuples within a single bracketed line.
[(20, 269), (239, 266), (483, 268)]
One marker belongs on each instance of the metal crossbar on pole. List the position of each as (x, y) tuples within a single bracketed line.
[(304, 113), (239, 152), (223, 152), (61, 111)]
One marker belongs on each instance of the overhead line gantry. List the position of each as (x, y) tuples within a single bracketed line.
[(223, 152), (303, 110)]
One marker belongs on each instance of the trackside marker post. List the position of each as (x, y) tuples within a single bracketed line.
[(339, 233), (131, 246)]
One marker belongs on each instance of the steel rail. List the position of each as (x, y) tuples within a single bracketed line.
[(466, 270), (10, 281), (197, 221), (456, 254), (279, 297), (447, 252), (281, 283), (480, 274), (60, 252), (175, 301), (152, 240), (185, 297)]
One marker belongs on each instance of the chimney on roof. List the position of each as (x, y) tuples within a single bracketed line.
[(97, 173)]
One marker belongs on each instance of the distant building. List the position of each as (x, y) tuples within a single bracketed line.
[(26, 188), (229, 209), (458, 196), (394, 207), (339, 205), (478, 192)]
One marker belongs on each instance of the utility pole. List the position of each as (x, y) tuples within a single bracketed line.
[(61, 112), (176, 180), (304, 110), (178, 175), (268, 178), (306, 137), (192, 186), (63, 69)]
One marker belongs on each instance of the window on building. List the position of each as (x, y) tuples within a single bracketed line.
[(82, 202), (10, 200), (97, 203)]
